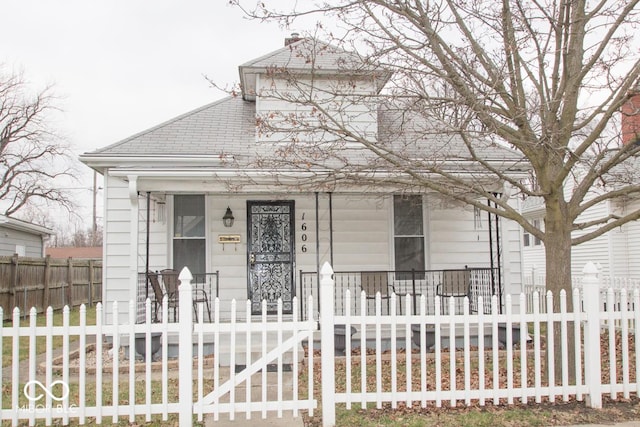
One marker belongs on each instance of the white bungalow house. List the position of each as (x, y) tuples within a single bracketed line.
[(193, 192)]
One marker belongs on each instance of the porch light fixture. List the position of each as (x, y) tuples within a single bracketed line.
[(228, 218)]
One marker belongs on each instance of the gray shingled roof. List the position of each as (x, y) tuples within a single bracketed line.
[(227, 128), (419, 136), (224, 126)]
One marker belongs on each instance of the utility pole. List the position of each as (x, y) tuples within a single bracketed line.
[(95, 224)]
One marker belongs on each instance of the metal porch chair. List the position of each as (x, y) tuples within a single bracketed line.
[(373, 282), (171, 282), (157, 292), (455, 283)]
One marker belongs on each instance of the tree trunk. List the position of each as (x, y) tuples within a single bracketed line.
[(558, 278)]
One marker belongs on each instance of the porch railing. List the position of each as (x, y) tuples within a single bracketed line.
[(206, 288), (470, 282)]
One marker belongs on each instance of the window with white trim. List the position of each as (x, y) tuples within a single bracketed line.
[(408, 232), (189, 238)]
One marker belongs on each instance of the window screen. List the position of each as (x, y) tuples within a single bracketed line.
[(408, 233), (189, 242)]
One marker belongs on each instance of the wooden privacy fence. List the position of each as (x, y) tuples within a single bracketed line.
[(48, 282)]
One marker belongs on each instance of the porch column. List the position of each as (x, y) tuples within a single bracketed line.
[(133, 235)]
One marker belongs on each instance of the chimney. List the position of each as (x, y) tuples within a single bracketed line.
[(631, 118), (294, 38)]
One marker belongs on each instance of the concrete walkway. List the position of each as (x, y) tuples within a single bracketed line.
[(287, 420)]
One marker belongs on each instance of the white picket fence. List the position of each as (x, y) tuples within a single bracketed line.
[(536, 283), (497, 380), (477, 365), (204, 385)]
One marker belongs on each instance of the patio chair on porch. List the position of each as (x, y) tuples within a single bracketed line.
[(455, 283), (373, 282), (171, 282), (157, 293), (200, 296)]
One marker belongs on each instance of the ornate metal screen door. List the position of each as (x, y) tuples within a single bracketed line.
[(270, 253)]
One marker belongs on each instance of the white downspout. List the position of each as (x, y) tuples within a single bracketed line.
[(133, 237)]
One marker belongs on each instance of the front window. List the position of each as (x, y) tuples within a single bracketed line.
[(408, 233), (189, 233)]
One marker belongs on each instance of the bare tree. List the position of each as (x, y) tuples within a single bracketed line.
[(545, 79), (471, 82), (32, 156)]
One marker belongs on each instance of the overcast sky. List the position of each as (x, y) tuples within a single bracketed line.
[(122, 66)]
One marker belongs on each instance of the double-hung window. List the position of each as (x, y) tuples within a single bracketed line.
[(189, 233), (408, 228)]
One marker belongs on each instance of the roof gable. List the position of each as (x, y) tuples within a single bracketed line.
[(308, 56)]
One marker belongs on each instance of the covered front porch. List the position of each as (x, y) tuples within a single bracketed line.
[(255, 246)]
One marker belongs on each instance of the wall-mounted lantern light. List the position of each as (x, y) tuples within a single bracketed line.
[(228, 218)]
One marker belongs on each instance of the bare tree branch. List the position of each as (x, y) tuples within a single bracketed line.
[(537, 83), (32, 156)]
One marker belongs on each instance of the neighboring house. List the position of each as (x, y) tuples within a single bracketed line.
[(191, 192), (617, 253), (22, 238), (84, 252)]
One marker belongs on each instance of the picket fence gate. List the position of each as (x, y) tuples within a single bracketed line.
[(476, 370), (40, 395)]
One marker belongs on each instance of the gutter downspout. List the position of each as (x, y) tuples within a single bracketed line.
[(331, 229), (318, 250), (146, 267), (133, 236)]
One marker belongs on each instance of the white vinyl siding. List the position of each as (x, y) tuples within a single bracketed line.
[(361, 225), (277, 95), (453, 242), (117, 259)]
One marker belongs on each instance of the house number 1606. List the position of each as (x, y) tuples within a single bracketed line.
[(304, 235)]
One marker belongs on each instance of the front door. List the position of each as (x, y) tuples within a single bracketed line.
[(270, 254)]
